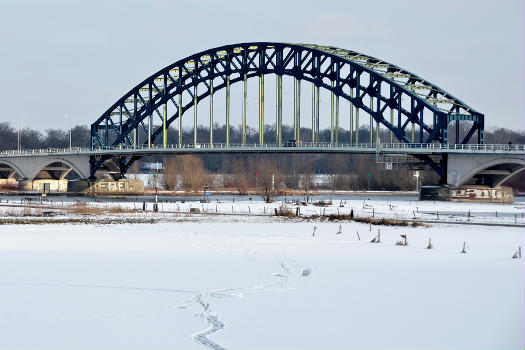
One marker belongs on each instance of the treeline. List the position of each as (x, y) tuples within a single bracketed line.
[(295, 172), (80, 136), (287, 171), (51, 138)]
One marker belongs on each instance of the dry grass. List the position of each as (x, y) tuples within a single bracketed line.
[(117, 209), (388, 222), (99, 221), (367, 220), (284, 211), (84, 208), (322, 203)]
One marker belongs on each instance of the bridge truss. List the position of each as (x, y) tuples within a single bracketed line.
[(390, 96)]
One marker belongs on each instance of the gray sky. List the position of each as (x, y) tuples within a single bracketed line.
[(78, 57)]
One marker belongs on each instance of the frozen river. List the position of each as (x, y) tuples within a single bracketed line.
[(262, 282)]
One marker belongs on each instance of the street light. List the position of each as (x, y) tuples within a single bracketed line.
[(416, 175), (69, 119), (19, 140)]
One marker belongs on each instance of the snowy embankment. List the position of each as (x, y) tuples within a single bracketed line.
[(244, 285), (57, 210)]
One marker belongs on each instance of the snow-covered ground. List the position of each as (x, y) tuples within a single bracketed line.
[(243, 281), (361, 206)]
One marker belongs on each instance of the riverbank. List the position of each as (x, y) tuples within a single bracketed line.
[(376, 210), (180, 193)]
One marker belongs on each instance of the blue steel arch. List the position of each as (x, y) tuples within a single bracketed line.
[(348, 74)]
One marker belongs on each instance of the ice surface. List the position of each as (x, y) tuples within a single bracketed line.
[(261, 284)]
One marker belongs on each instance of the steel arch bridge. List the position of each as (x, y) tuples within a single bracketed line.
[(390, 96)]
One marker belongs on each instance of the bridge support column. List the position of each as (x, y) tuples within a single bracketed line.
[(481, 127), (444, 130), (421, 127), (317, 114), (195, 115), (332, 112), (180, 119), (150, 117), (298, 138), (378, 135), (296, 109), (313, 113), (279, 108), (211, 112), (120, 127), (351, 118), (149, 131), (261, 110), (228, 111), (107, 131), (357, 126), (371, 122), (135, 135), (164, 119), (280, 77), (391, 123), (244, 90), (337, 120)]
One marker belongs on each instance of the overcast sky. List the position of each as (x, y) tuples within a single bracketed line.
[(78, 57)]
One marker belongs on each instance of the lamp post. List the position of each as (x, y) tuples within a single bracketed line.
[(156, 176), (70, 139), (19, 141), (416, 175)]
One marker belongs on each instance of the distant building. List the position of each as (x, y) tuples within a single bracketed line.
[(150, 167)]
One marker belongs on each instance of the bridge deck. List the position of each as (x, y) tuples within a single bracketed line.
[(396, 148)]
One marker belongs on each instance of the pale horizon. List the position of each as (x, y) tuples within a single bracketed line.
[(61, 58)]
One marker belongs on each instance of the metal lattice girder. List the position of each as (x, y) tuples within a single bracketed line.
[(347, 74)]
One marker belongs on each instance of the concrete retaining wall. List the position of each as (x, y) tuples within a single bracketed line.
[(123, 186), (44, 185), (8, 182)]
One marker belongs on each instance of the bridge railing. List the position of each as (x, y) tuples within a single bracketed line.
[(45, 150), (369, 146), (305, 145)]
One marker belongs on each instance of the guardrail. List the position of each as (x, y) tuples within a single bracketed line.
[(409, 147)]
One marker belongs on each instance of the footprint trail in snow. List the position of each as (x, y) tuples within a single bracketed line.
[(214, 325), (280, 282)]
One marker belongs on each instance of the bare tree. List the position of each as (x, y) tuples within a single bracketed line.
[(169, 172), (270, 177), (307, 181), (240, 175), (192, 172), (134, 169)]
